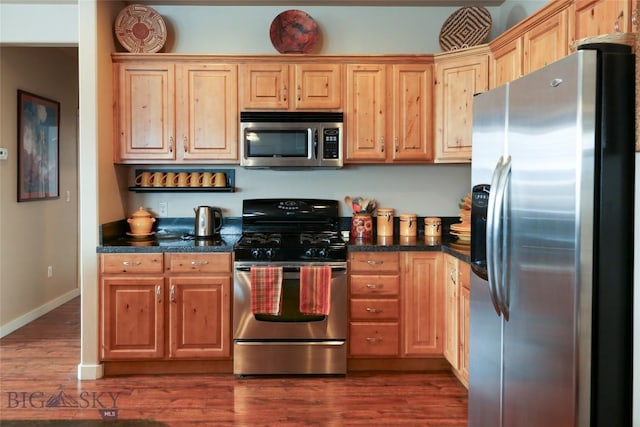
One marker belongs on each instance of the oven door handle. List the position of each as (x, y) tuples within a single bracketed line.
[(291, 269)]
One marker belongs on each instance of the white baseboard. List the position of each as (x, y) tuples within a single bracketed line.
[(90, 372), (6, 329)]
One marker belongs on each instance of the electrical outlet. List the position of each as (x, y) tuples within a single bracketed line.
[(163, 208), (50, 271), (4, 153)]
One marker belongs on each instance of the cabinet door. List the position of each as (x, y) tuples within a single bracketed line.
[(451, 309), (422, 304), (412, 110), (457, 81), (132, 317), (265, 86), (145, 112), (546, 42), (207, 111), (365, 113), (464, 282), (506, 65), (318, 87), (597, 17), (199, 317)]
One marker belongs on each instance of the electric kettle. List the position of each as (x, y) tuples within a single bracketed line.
[(208, 221)]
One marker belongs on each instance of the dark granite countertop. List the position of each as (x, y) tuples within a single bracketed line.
[(176, 235)]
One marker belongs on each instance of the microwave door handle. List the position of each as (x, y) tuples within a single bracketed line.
[(315, 143)]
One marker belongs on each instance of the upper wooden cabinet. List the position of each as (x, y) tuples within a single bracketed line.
[(277, 86), (144, 111), (366, 113), (459, 76), (388, 113), (175, 112), (597, 17), (207, 112), (539, 40), (546, 42), (506, 64), (412, 106)]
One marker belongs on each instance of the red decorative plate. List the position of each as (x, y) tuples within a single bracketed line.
[(293, 31), (140, 29)]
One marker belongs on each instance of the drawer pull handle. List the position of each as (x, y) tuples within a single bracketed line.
[(131, 263), (373, 340), (158, 294), (199, 262), (172, 293), (374, 262), (373, 310), (374, 286)]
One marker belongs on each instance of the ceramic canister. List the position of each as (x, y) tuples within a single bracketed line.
[(361, 226), (408, 224), (432, 227), (384, 222)]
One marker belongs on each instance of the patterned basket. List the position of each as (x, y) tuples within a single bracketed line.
[(466, 27)]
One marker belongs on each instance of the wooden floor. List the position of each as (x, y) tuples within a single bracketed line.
[(38, 366)]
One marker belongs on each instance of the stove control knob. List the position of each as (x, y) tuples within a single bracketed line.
[(322, 253), (255, 253), (269, 253), (310, 253)]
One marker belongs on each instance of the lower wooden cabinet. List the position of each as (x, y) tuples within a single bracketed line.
[(422, 304), (456, 278), (465, 294), (374, 304), (175, 306), (395, 304)]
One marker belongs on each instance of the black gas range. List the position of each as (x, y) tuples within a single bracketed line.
[(290, 230)]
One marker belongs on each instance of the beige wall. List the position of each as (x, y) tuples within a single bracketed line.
[(37, 234)]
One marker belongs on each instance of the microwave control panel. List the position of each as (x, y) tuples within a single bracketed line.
[(330, 143)]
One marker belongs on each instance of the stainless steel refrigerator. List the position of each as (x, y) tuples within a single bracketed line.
[(552, 245)]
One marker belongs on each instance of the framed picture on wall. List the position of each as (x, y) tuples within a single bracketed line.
[(38, 147)]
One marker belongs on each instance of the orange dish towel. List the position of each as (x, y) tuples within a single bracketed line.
[(266, 290), (315, 290)]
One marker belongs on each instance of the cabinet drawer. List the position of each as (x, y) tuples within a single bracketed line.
[(373, 339), (130, 263), (371, 285), (373, 309), (374, 262), (199, 263)]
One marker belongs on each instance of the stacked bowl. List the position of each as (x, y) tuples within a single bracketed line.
[(462, 230)]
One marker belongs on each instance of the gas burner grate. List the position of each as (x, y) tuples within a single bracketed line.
[(324, 238), (273, 239)]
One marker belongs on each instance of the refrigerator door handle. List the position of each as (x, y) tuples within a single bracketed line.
[(495, 269)]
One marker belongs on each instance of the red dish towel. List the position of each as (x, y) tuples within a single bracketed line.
[(315, 290), (266, 290)]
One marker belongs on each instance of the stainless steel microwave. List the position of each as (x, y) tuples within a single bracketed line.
[(291, 139)]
